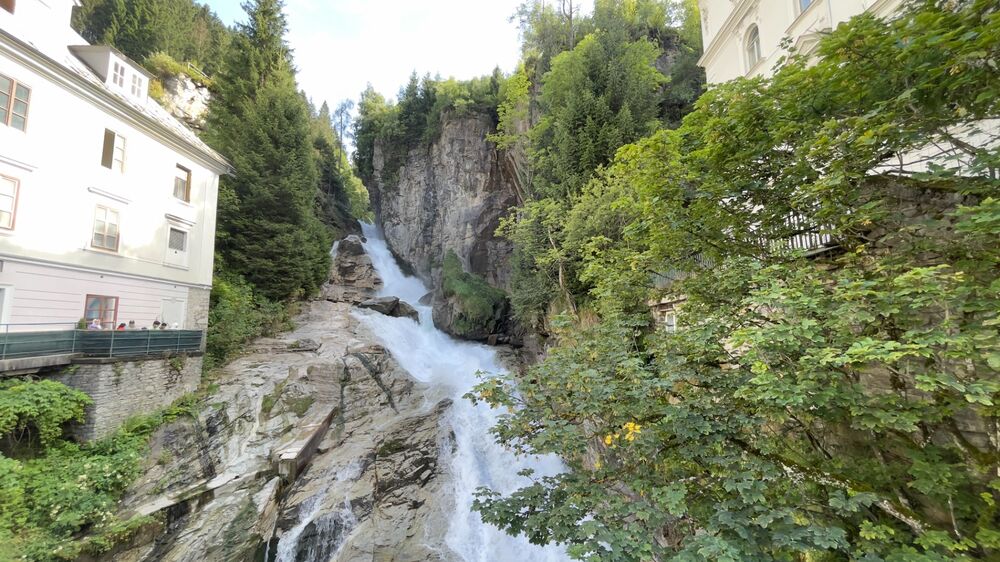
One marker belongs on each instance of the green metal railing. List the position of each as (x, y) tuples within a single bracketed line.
[(16, 344)]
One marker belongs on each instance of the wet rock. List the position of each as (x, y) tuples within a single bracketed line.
[(404, 310), (374, 492), (391, 306), (352, 277), (449, 195), (427, 299), (383, 305)]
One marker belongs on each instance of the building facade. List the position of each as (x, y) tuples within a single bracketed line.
[(743, 37), (107, 203)]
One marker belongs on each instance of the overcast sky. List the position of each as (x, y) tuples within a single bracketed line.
[(341, 45)]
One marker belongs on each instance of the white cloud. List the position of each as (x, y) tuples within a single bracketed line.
[(341, 46)]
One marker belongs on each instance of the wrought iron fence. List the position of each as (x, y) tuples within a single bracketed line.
[(19, 341)]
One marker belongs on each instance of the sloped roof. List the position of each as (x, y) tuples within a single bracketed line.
[(57, 53)]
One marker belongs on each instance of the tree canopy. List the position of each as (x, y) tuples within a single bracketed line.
[(810, 406)]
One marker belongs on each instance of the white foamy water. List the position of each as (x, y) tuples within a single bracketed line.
[(432, 357)]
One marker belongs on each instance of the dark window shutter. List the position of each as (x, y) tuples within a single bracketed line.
[(109, 149), (7, 5)]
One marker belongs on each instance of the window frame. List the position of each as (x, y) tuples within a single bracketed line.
[(17, 195), (187, 185), (114, 148), (808, 4), (118, 226), (751, 47), (8, 109), (102, 310), (137, 85), (187, 239), (118, 73)]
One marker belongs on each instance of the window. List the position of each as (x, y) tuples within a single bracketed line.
[(804, 5), (8, 201), (113, 156), (106, 232), (7, 5), (14, 98), (668, 318), (177, 240), (137, 85), (118, 75), (753, 47), (182, 183), (103, 308)]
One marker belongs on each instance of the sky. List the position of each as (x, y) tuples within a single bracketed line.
[(342, 45)]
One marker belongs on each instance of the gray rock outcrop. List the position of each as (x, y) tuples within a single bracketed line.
[(447, 196), (391, 306), (186, 100), (353, 278), (316, 442)]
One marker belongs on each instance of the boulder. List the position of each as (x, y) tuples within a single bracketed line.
[(383, 305), (404, 310), (391, 306), (353, 277)]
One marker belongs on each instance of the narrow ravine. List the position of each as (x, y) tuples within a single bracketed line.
[(448, 368)]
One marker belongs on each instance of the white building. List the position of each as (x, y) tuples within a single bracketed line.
[(107, 203), (743, 37)]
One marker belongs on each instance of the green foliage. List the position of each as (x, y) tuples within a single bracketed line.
[(163, 65), (269, 231), (238, 316), (38, 407), (810, 407), (480, 307), (415, 119), (61, 501), (183, 29), (599, 92)]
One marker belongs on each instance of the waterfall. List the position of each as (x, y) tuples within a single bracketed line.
[(318, 535), (434, 358)]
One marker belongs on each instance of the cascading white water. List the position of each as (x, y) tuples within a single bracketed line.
[(433, 357), (330, 529)]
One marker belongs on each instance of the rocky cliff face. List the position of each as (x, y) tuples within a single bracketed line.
[(317, 445), (186, 100), (447, 196)]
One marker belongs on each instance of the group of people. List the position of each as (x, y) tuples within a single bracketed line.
[(95, 324)]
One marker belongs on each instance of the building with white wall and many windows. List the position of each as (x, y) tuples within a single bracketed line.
[(107, 203), (744, 37)]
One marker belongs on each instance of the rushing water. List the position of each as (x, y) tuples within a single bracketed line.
[(432, 357)]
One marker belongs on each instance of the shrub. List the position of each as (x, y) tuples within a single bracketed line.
[(481, 307)]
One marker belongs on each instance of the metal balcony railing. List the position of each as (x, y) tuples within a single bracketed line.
[(19, 341)]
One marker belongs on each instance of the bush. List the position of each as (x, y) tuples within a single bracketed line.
[(58, 501), (481, 308), (163, 65), (237, 316)]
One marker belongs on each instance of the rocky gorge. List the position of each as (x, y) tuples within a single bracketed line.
[(449, 197), (344, 439)]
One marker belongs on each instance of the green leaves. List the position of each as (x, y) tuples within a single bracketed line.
[(827, 402)]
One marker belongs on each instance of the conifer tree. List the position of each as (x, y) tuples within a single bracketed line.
[(268, 231)]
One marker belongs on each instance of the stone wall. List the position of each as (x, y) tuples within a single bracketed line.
[(197, 310), (121, 389)]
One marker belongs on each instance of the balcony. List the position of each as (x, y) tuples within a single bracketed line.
[(29, 347)]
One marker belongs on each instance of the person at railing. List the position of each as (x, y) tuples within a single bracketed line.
[(121, 327), (95, 324), (131, 324)]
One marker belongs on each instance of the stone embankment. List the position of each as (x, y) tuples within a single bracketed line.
[(315, 441)]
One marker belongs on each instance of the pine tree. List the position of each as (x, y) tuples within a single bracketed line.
[(268, 227)]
